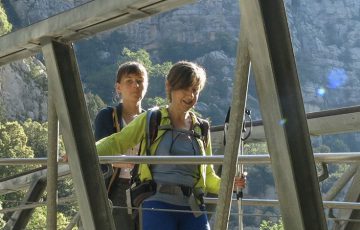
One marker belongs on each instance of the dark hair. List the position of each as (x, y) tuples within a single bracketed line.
[(131, 67), (184, 74)]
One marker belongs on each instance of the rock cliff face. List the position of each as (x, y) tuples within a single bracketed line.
[(193, 24), (31, 11), (23, 90), (325, 36), (326, 40)]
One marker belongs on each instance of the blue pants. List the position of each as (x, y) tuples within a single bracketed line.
[(162, 220)]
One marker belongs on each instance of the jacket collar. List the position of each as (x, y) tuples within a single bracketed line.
[(165, 115)]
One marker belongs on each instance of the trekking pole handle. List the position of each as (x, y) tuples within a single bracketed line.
[(240, 173)]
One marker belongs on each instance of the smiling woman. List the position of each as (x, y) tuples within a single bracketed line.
[(183, 85)]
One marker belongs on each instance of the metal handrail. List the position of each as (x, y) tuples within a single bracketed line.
[(246, 202), (346, 157)]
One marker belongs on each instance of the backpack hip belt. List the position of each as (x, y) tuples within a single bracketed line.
[(174, 189)]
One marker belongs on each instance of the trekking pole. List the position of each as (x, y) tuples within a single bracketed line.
[(239, 192), (240, 169)]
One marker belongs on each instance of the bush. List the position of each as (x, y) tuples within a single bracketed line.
[(269, 225), (5, 26)]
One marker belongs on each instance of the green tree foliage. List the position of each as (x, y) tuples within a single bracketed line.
[(37, 134), (186, 51), (2, 113), (29, 140), (5, 26), (38, 220), (13, 144), (37, 137), (255, 148), (156, 101), (322, 149), (269, 225), (94, 104), (2, 222), (65, 189), (142, 56), (36, 74)]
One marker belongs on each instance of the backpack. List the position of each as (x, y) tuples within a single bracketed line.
[(153, 119), (142, 190)]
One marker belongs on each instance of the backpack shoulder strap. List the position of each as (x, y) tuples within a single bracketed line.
[(116, 114), (153, 118), (117, 117), (204, 126)]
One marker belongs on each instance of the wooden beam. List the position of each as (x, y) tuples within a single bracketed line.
[(69, 101), (283, 114), (52, 162), (80, 22), (233, 136)]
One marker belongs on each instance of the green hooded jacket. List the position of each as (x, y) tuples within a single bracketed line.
[(134, 133)]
